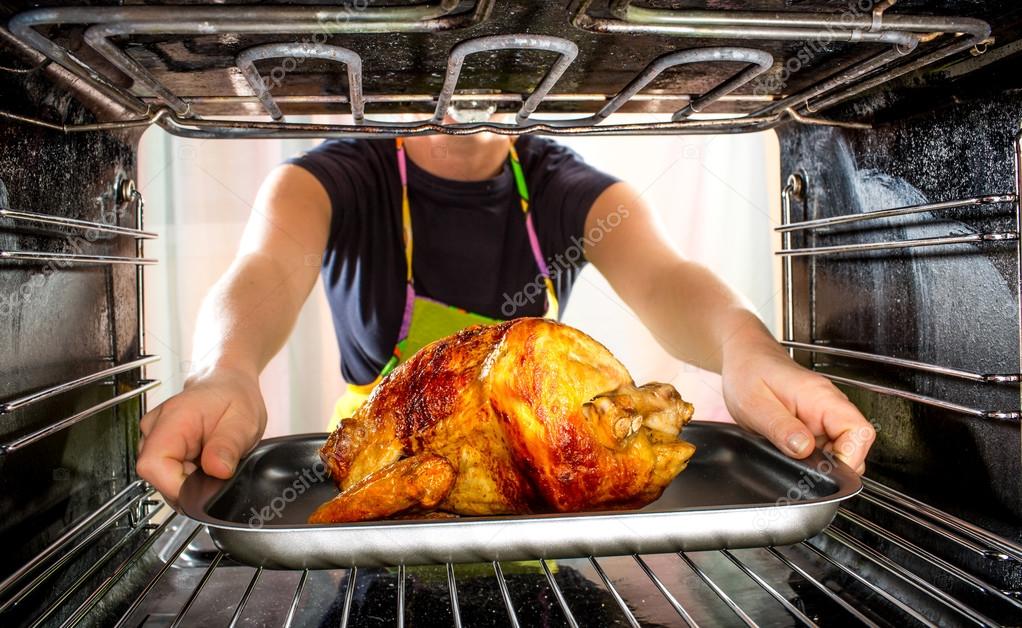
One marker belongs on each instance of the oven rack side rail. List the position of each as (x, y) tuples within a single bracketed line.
[(91, 232), (914, 42), (878, 499), (57, 261), (989, 203), (134, 508), (135, 524)]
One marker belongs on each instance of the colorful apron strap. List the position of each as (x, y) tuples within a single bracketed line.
[(552, 306), (406, 210), (406, 235)]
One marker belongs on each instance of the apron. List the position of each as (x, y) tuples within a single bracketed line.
[(425, 319)]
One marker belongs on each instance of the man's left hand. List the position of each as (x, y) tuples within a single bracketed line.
[(798, 410)]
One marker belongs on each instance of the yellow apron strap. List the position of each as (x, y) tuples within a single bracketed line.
[(352, 399)]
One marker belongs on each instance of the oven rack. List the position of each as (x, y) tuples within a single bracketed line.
[(795, 188), (914, 42), (139, 388), (73, 258), (983, 202), (25, 401), (804, 584), (73, 223), (89, 227), (125, 391)]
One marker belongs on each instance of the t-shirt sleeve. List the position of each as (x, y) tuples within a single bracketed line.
[(563, 188), (341, 168)]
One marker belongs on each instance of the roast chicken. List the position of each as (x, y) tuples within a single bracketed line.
[(519, 417)]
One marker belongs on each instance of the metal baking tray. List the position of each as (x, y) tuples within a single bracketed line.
[(738, 491)]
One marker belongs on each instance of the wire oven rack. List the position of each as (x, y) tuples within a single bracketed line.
[(184, 581), (912, 42), (989, 203), (125, 391)]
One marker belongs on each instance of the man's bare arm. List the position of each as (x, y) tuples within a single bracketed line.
[(698, 319), (243, 322)]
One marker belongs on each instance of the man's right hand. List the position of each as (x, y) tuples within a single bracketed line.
[(213, 422), (243, 322)]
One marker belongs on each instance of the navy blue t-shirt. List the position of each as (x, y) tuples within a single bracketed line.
[(470, 250)]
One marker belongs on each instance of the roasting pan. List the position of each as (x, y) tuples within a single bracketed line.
[(738, 491)]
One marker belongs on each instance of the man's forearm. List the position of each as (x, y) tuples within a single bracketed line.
[(699, 320), (697, 317), (247, 316), (692, 313)]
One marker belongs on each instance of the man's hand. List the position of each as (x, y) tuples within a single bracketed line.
[(213, 422), (699, 320), (243, 322), (796, 409)]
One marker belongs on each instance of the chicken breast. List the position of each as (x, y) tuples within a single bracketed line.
[(524, 416)]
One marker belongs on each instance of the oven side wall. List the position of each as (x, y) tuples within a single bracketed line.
[(955, 305), (61, 321)]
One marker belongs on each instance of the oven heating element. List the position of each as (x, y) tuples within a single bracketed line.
[(915, 42)]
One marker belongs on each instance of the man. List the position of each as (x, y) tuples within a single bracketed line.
[(422, 236)]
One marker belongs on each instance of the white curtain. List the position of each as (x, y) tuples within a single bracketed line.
[(716, 196)]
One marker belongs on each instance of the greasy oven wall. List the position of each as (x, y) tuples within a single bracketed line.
[(60, 321), (950, 305)]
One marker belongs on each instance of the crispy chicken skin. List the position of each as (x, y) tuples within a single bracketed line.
[(524, 416), (412, 484)]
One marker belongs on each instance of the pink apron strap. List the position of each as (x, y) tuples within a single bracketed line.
[(553, 308), (537, 253)]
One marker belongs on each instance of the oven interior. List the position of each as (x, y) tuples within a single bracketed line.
[(900, 153)]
